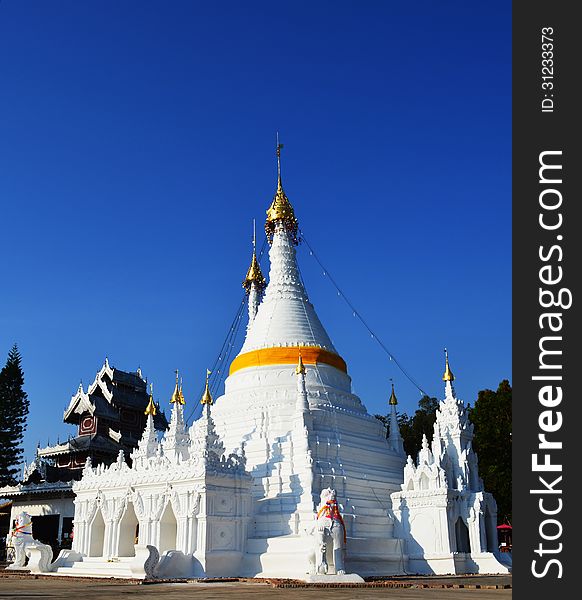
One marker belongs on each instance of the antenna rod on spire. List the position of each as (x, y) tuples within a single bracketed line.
[(279, 146), (254, 237)]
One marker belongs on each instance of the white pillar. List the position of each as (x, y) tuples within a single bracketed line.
[(107, 539)]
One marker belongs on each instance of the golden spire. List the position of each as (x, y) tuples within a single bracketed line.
[(181, 394), (206, 397), (448, 375), (300, 369), (280, 209), (177, 396), (151, 407), (254, 274), (393, 401)]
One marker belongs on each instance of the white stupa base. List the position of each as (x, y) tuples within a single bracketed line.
[(459, 563), (288, 557), (346, 578), (97, 567)]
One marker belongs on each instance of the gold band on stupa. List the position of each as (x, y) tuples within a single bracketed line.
[(288, 355)]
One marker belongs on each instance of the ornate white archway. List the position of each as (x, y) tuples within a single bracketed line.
[(168, 529), (97, 534), (128, 532)]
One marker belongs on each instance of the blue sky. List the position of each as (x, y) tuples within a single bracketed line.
[(137, 145)]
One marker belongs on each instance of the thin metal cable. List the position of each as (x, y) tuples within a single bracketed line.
[(217, 375), (359, 316)]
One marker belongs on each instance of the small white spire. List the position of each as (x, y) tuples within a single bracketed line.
[(302, 399), (394, 438)]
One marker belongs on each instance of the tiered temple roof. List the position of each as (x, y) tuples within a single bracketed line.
[(109, 416)]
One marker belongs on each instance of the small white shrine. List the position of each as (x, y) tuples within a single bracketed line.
[(181, 510), (448, 521)]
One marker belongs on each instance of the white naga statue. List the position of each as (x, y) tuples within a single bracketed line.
[(329, 529), (39, 555)]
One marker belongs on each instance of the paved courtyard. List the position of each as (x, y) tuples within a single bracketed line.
[(63, 589)]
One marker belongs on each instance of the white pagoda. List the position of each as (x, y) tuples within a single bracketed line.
[(237, 494), (298, 442)]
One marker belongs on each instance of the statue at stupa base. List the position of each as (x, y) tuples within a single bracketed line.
[(329, 533), (25, 546)]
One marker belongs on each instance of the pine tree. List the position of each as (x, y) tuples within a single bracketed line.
[(13, 412)]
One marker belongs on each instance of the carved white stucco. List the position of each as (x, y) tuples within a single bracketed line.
[(447, 519), (235, 495)]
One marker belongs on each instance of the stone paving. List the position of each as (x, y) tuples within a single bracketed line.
[(439, 588)]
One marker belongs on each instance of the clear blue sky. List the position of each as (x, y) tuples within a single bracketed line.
[(137, 145)]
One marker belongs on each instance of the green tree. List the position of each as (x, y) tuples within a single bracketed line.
[(491, 417), (13, 412), (412, 428), (420, 424)]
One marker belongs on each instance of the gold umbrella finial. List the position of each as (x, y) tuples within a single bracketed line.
[(254, 274), (448, 375), (207, 397), (181, 394), (280, 209), (176, 394), (151, 407), (393, 400)]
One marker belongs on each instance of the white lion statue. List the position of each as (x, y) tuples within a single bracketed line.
[(329, 529), (40, 555)]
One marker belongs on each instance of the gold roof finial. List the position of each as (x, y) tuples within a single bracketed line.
[(300, 368), (280, 209), (448, 375), (206, 396), (254, 274), (151, 407), (393, 400), (181, 394), (176, 395)]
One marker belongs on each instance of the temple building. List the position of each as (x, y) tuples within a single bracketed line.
[(243, 490), (109, 417)]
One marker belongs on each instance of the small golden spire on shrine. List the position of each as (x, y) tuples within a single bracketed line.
[(300, 368), (181, 394), (177, 396), (280, 209), (254, 274), (151, 407), (393, 401), (448, 375), (206, 396)]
